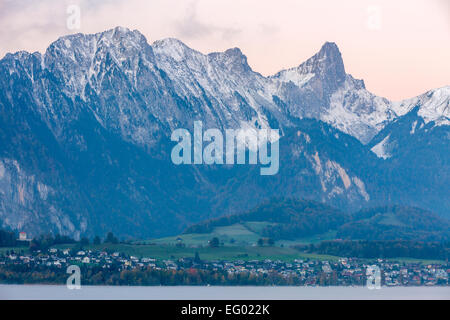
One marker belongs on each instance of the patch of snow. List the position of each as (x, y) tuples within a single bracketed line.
[(380, 148), (413, 127), (2, 170), (292, 75)]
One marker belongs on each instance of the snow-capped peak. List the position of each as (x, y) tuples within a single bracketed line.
[(222, 86), (174, 48), (433, 105)]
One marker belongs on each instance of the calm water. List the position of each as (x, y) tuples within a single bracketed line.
[(216, 293)]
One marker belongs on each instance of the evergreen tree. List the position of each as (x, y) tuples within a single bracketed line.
[(214, 242), (97, 240), (110, 238)]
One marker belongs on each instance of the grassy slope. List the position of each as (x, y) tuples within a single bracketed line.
[(243, 234)]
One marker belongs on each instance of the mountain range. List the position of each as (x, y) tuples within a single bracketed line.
[(85, 137)]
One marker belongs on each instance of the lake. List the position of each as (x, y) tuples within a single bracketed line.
[(30, 292)]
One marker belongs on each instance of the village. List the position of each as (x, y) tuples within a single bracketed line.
[(307, 272)]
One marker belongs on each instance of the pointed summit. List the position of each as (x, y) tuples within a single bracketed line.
[(329, 49), (327, 64)]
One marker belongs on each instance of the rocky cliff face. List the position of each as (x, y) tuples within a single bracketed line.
[(85, 127)]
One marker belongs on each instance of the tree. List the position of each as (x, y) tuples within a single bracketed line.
[(7, 239), (97, 240), (270, 242), (110, 238), (214, 242), (260, 242), (84, 241), (59, 239), (197, 257), (35, 245)]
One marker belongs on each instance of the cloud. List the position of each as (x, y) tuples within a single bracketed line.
[(190, 26), (269, 29), (25, 24), (32, 25)]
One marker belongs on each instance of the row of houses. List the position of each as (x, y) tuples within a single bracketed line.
[(345, 271)]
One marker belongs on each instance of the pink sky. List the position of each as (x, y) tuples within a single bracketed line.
[(400, 48)]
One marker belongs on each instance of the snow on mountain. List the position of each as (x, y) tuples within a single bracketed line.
[(295, 76), (137, 89), (357, 112), (89, 111), (380, 148), (416, 119), (111, 74), (326, 64), (434, 105), (346, 104), (327, 93), (221, 87)]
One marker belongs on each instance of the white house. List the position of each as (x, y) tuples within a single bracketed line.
[(23, 236)]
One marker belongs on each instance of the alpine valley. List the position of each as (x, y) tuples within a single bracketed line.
[(85, 137)]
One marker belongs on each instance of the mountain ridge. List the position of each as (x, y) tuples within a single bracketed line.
[(327, 58), (90, 120)]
